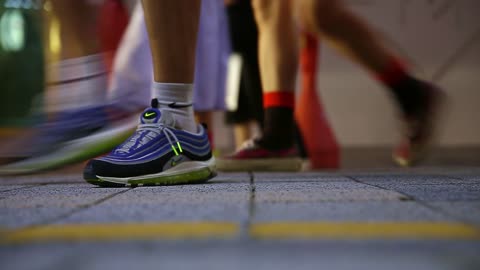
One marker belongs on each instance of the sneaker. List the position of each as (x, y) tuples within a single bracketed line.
[(253, 157), (156, 154), (420, 129), (73, 136)]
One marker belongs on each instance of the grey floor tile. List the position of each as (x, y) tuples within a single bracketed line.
[(43, 179), (428, 187), (215, 201), (413, 179), (399, 211), (41, 204), (467, 211), (321, 192), (12, 187), (299, 177)]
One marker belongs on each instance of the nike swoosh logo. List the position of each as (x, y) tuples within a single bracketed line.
[(174, 105), (149, 114)]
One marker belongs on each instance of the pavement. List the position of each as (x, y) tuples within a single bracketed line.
[(422, 218)]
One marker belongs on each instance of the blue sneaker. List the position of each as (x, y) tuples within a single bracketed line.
[(156, 154), (73, 136)]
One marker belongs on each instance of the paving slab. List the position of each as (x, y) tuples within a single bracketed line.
[(418, 170), (333, 198), (49, 178), (219, 200), (365, 211), (414, 179), (441, 192), (474, 178), (299, 177), (231, 177), (318, 191), (428, 187), (11, 187), (468, 211), (43, 203)]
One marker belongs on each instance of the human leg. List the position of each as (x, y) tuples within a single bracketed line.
[(168, 147), (76, 124), (278, 61), (244, 40), (79, 78), (419, 101)]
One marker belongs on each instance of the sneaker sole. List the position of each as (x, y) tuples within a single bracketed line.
[(190, 172), (75, 151), (264, 164)]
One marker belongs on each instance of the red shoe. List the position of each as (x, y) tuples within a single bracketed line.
[(420, 129), (253, 157)]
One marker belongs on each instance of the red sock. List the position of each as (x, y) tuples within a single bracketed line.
[(407, 90), (278, 129), (279, 99)]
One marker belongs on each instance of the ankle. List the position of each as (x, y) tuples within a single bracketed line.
[(177, 99), (278, 131)]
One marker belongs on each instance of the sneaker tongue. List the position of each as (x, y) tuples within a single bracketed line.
[(156, 116)]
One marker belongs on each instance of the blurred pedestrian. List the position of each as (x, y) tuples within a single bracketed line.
[(418, 101), (248, 116)]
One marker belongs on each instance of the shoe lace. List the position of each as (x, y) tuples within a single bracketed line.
[(157, 129)]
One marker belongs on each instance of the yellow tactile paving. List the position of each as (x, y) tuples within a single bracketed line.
[(227, 230), (132, 231), (363, 230)]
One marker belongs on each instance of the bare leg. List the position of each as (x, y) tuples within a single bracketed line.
[(278, 59), (172, 26), (278, 45), (334, 21), (185, 156)]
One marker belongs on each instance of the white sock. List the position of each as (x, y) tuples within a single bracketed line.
[(179, 95)]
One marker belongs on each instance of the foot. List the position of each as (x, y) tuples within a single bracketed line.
[(158, 153), (253, 157), (420, 128), (72, 136)]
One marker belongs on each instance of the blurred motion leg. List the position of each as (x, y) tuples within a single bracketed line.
[(419, 101), (79, 124)]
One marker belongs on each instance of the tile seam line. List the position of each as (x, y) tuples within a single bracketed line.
[(408, 197), (247, 226), (422, 203), (77, 209)]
